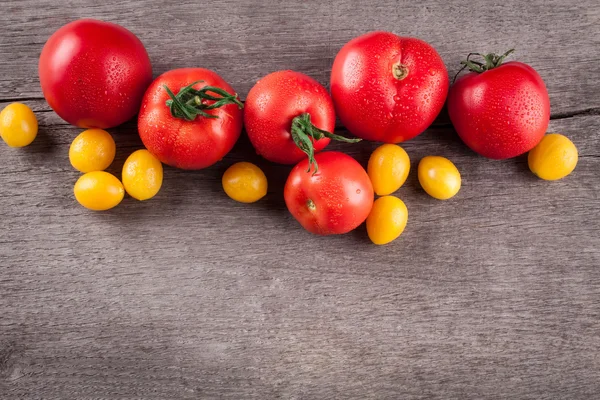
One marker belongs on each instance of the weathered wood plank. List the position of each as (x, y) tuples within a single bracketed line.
[(494, 294), (244, 40)]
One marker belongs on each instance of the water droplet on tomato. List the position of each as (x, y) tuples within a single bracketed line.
[(397, 98)]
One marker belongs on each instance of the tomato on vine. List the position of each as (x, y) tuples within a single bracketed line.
[(290, 116), (197, 126), (335, 200), (500, 110)]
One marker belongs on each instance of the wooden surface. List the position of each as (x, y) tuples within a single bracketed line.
[(494, 294)]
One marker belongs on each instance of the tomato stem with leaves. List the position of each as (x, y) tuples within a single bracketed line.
[(304, 133), (190, 102), (492, 61)]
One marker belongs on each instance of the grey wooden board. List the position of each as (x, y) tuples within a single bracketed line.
[(494, 294)]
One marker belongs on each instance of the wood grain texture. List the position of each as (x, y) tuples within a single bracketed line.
[(494, 294)]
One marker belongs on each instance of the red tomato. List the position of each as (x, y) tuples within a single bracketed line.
[(203, 132), (501, 111), (335, 200), (94, 73), (289, 115), (388, 88)]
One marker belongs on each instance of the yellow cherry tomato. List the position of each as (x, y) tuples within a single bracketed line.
[(245, 182), (553, 158), (439, 177), (92, 150), (388, 168), (387, 219), (142, 175), (98, 190), (18, 125)]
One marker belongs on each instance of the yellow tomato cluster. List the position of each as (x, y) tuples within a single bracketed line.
[(92, 152), (388, 169)]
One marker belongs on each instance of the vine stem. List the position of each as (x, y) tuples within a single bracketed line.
[(188, 103), (491, 61), (304, 134)]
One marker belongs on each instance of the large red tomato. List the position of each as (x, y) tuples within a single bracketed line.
[(288, 116), (94, 73), (499, 110), (335, 200), (388, 88), (194, 125)]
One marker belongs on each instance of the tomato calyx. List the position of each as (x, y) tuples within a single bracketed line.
[(304, 133), (188, 103), (400, 71), (492, 61)]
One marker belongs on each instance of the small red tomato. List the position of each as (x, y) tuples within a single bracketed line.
[(388, 88), (190, 118), (499, 110), (335, 200), (288, 116), (94, 74)]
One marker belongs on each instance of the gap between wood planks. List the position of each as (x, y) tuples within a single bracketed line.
[(555, 116)]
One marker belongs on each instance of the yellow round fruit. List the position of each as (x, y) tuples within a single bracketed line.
[(553, 158), (142, 175), (18, 125), (388, 168), (92, 150), (387, 219), (245, 182), (439, 177), (98, 191)]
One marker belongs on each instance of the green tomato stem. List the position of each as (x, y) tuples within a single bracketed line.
[(304, 134), (188, 103), (491, 61)]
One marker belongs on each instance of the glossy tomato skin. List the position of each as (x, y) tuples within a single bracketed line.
[(375, 105), (94, 73), (271, 106), (186, 144), (336, 200), (500, 113)]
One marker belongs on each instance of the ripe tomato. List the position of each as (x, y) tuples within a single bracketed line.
[(94, 73), (388, 168), (142, 175), (388, 88), (98, 191), (190, 118), (499, 110), (439, 177), (335, 200), (92, 150), (288, 116), (18, 125), (244, 182), (387, 220), (553, 158)]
